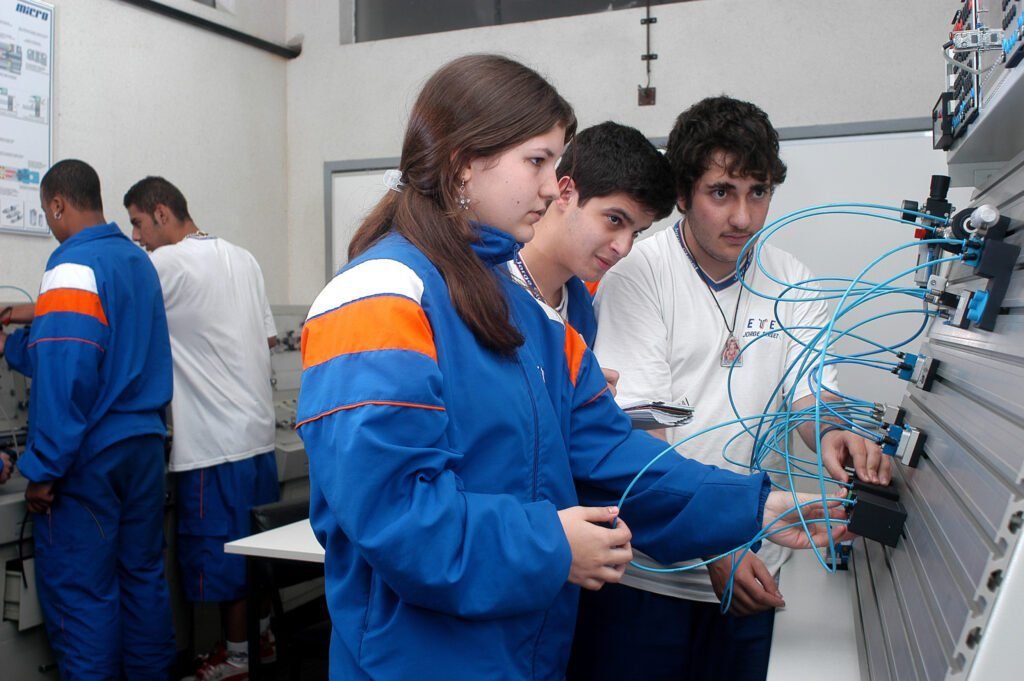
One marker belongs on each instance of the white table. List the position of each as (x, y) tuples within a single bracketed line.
[(814, 634), (290, 542)]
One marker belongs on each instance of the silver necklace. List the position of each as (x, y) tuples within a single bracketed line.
[(730, 355)]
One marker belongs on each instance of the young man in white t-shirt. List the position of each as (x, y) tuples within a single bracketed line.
[(222, 411), (673, 318)]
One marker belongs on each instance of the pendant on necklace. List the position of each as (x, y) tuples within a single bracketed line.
[(731, 353)]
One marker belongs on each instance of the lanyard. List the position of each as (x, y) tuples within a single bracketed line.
[(531, 285)]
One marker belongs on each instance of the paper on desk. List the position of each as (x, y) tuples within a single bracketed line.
[(651, 414)]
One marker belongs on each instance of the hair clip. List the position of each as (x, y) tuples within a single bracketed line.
[(393, 180)]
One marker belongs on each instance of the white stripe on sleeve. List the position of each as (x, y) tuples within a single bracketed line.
[(69, 275), (370, 278)]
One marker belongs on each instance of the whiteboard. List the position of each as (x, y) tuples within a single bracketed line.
[(353, 195)]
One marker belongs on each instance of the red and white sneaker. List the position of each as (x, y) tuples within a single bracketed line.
[(268, 647), (231, 669), (220, 666)]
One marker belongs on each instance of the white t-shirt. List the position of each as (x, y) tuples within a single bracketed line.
[(219, 321), (659, 326)]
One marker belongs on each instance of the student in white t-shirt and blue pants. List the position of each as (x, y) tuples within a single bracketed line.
[(672, 319), (222, 411)]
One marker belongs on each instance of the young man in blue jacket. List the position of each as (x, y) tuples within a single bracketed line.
[(613, 184), (100, 362)]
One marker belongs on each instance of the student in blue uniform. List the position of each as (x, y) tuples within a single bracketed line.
[(612, 185), (99, 357), (454, 425)]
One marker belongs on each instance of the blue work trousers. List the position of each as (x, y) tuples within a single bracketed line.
[(627, 633), (100, 568)]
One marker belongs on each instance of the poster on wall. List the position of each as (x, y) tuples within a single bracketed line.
[(26, 93)]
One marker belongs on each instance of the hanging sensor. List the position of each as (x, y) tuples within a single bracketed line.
[(646, 95)]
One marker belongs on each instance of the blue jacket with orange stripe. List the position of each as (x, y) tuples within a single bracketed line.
[(438, 468), (97, 351), (581, 310)]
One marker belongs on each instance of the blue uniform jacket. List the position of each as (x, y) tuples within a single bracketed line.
[(97, 352), (581, 310), (437, 469)]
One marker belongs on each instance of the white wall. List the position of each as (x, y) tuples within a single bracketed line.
[(136, 93), (805, 62), (264, 19)]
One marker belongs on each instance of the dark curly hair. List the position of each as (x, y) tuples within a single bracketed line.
[(739, 130)]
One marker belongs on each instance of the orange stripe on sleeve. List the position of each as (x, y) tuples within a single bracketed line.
[(67, 338), (575, 346), (382, 403), (600, 392), (378, 323), (71, 300)]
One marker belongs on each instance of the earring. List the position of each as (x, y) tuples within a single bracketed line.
[(463, 199), (56, 216)]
